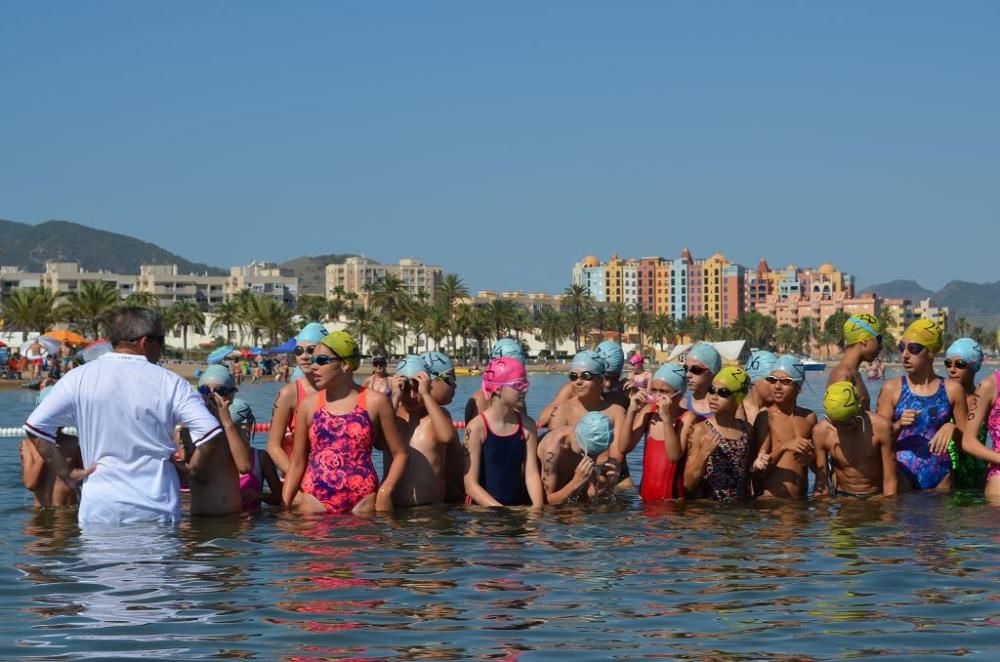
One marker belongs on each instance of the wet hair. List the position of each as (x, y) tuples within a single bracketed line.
[(132, 323)]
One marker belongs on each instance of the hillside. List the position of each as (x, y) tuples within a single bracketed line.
[(900, 289), (31, 246), (979, 303), (312, 271)]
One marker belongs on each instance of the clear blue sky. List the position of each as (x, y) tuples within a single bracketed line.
[(506, 141)]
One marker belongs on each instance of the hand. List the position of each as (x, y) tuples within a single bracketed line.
[(908, 417), (222, 409), (383, 501), (803, 450), (762, 462), (396, 383), (423, 384), (637, 401), (668, 407), (76, 476), (584, 471), (939, 444)]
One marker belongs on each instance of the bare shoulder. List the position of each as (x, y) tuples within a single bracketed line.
[(615, 411), (954, 390), (892, 387), (287, 394), (807, 414), (474, 427), (840, 373), (823, 432), (529, 424), (881, 426)]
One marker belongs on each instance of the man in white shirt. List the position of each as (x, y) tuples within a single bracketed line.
[(125, 408)]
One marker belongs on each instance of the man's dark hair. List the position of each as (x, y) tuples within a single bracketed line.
[(132, 323)]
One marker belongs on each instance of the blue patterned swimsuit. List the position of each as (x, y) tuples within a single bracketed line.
[(913, 454)]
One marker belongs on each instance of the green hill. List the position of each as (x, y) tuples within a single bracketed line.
[(979, 303), (31, 246)]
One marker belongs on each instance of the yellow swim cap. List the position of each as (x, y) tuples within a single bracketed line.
[(925, 332), (345, 346), (736, 380), (841, 401), (861, 327)]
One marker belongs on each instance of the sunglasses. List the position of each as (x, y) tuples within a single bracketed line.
[(722, 392), (695, 369), (378, 364), (325, 359), (586, 376), (219, 390), (911, 347), (784, 381), (308, 349), (961, 364)]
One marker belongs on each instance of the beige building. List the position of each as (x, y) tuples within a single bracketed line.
[(532, 301), (14, 278), (356, 272), (67, 277), (264, 278), (927, 310), (169, 286)]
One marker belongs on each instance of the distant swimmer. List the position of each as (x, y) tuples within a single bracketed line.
[(427, 430), (876, 370), (281, 434), (379, 379), (332, 469), (503, 348), (758, 368), (858, 445), (661, 422), (862, 342), (572, 458), (640, 375), (963, 359), (717, 465), (501, 444), (920, 405), (784, 431)]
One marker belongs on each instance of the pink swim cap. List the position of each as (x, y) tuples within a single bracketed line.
[(636, 359), (505, 371)]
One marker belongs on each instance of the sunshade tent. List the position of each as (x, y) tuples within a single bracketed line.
[(68, 337), (284, 348)]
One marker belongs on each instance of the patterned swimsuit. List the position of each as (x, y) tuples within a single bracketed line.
[(924, 469), (993, 426), (340, 472), (727, 472)]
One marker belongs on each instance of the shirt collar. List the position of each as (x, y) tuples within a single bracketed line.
[(121, 356)]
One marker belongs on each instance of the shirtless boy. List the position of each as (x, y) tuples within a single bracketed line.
[(571, 458), (858, 445), (428, 430), (862, 342), (786, 429)]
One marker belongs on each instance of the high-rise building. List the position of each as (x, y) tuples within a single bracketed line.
[(356, 272), (264, 278), (590, 274)]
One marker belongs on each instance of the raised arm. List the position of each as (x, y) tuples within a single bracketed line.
[(239, 447), (444, 430)]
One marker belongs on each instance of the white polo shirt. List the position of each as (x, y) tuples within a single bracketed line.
[(125, 409)]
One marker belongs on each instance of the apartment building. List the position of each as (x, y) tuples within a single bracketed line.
[(357, 272)]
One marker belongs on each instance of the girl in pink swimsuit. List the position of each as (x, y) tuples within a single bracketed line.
[(332, 456), (988, 410)]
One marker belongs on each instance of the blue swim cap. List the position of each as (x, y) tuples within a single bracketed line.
[(760, 364), (613, 355), (706, 355), (217, 375), (312, 332), (673, 374), (791, 366), (437, 363), (508, 348), (240, 411), (968, 349), (410, 366), (44, 393), (594, 432), (588, 361)]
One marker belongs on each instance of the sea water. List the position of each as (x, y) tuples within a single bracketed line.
[(905, 577)]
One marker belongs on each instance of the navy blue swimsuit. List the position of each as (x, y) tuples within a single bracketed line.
[(501, 467)]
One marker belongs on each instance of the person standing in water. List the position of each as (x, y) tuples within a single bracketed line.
[(862, 342), (987, 412), (614, 360), (758, 368), (661, 422), (962, 361), (503, 348), (717, 465), (379, 379), (281, 434), (570, 457), (501, 444), (640, 376), (921, 406), (701, 364)]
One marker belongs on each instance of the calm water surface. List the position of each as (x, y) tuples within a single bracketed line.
[(914, 576)]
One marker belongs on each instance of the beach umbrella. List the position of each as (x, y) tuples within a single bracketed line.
[(94, 350), (219, 354), (50, 344), (2, 344), (68, 337)]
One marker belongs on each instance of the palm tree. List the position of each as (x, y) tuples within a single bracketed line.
[(31, 309), (661, 330), (554, 327), (576, 303), (359, 324), (383, 334), (598, 318), (91, 306), (274, 318), (184, 315), (502, 315), (448, 292), (618, 319), (312, 307), (142, 299), (641, 320), (389, 295), (704, 328), (963, 328), (683, 328), (226, 314), (436, 324), (789, 339), (809, 329), (244, 301), (887, 321)]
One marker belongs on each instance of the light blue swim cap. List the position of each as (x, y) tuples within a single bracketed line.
[(437, 363), (410, 366), (791, 366), (588, 361), (673, 374), (968, 349), (312, 332), (509, 348), (613, 355), (594, 432), (706, 355), (760, 364), (240, 411), (217, 375), (44, 393)]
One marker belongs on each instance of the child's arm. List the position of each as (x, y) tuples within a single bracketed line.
[(441, 423), (890, 481), (699, 450), (473, 456), (281, 412), (986, 393), (239, 447), (270, 475), (822, 487), (300, 454), (384, 417), (32, 465), (762, 431), (532, 477)]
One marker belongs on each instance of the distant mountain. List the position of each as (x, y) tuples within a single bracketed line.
[(312, 271), (31, 246), (979, 303)]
